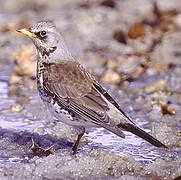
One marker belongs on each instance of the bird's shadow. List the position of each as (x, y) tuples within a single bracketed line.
[(24, 140)]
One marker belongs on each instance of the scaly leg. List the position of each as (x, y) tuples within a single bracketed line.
[(76, 145)]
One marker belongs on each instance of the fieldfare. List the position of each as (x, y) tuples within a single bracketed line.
[(71, 93)]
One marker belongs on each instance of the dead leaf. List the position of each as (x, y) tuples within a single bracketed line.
[(111, 64), (156, 86), (14, 78), (108, 3), (161, 94), (15, 108), (40, 151), (24, 64), (120, 36), (137, 72), (164, 107), (13, 26), (164, 14), (111, 77), (158, 67), (136, 31)]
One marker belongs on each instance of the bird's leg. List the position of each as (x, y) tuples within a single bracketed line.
[(76, 145)]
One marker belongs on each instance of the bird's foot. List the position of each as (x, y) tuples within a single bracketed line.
[(76, 145)]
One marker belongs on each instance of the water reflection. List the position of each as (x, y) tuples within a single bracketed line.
[(130, 146), (32, 116)]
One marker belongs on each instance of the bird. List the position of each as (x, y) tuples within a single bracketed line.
[(71, 93)]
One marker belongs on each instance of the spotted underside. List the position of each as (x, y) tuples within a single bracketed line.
[(76, 91), (70, 92)]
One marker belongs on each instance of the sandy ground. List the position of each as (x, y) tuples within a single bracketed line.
[(133, 48)]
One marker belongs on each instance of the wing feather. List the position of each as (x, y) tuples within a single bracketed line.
[(75, 90), (70, 80)]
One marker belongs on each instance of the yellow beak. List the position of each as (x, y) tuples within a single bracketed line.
[(26, 32)]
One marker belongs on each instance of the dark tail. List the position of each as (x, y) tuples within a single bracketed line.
[(139, 132)]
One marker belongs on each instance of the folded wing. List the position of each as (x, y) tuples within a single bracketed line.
[(78, 91)]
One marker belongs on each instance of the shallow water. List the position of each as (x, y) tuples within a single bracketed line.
[(130, 146), (32, 116)]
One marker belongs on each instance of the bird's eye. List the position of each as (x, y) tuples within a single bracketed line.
[(42, 33)]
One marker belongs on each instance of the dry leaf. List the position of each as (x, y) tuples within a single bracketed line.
[(24, 64), (120, 36), (161, 94), (137, 30), (156, 86), (14, 78), (137, 72), (111, 77), (13, 26), (158, 67), (108, 3), (40, 151), (15, 108), (164, 107), (111, 64)]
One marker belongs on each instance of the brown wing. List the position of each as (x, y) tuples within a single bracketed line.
[(77, 90), (69, 79)]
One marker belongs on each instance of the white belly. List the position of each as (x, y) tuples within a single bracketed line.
[(63, 116)]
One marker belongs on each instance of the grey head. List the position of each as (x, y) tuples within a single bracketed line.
[(49, 42)]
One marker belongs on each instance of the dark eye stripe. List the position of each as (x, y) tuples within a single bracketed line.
[(41, 34)]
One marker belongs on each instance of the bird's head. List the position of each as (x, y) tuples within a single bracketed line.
[(48, 41)]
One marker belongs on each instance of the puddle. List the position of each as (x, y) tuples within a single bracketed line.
[(130, 146), (32, 117)]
